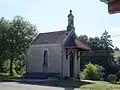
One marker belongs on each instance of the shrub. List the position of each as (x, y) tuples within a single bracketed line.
[(78, 76), (90, 72), (112, 78), (101, 73), (118, 74), (81, 75)]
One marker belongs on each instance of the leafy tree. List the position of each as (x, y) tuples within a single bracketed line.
[(19, 37), (15, 38), (109, 60), (101, 52), (106, 40), (4, 26), (84, 39)]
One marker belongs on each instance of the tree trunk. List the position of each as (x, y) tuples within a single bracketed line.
[(11, 59), (11, 66), (11, 56)]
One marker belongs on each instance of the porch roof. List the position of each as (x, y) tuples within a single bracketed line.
[(78, 45)]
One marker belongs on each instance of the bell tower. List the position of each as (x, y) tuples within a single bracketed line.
[(70, 22)]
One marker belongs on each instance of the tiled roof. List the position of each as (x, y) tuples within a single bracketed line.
[(50, 37), (79, 44)]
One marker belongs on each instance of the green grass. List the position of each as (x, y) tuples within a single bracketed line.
[(96, 87), (100, 85), (117, 86), (4, 76)]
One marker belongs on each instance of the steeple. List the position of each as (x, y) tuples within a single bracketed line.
[(70, 22)]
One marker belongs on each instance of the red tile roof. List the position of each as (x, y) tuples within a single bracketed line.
[(79, 44)]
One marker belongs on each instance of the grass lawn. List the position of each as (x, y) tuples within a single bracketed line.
[(96, 87), (100, 85)]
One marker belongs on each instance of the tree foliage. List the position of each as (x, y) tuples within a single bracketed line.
[(102, 52), (16, 36), (4, 26)]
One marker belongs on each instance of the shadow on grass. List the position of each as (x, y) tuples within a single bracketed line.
[(67, 84)]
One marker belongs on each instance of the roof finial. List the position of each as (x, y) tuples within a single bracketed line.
[(70, 11)]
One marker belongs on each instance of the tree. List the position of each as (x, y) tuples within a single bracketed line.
[(106, 40), (4, 26), (108, 47), (15, 38), (20, 35), (84, 39), (95, 45), (101, 52)]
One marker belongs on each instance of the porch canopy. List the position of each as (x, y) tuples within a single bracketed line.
[(78, 45)]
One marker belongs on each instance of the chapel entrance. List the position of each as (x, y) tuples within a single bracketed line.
[(71, 64)]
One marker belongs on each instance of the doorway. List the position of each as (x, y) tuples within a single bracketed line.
[(71, 64)]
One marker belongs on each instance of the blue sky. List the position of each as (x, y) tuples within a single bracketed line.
[(91, 16)]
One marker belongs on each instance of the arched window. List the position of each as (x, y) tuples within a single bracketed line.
[(45, 60)]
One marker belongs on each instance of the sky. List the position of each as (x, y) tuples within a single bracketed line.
[(91, 16)]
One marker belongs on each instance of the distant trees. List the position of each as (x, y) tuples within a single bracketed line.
[(15, 37), (102, 52)]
